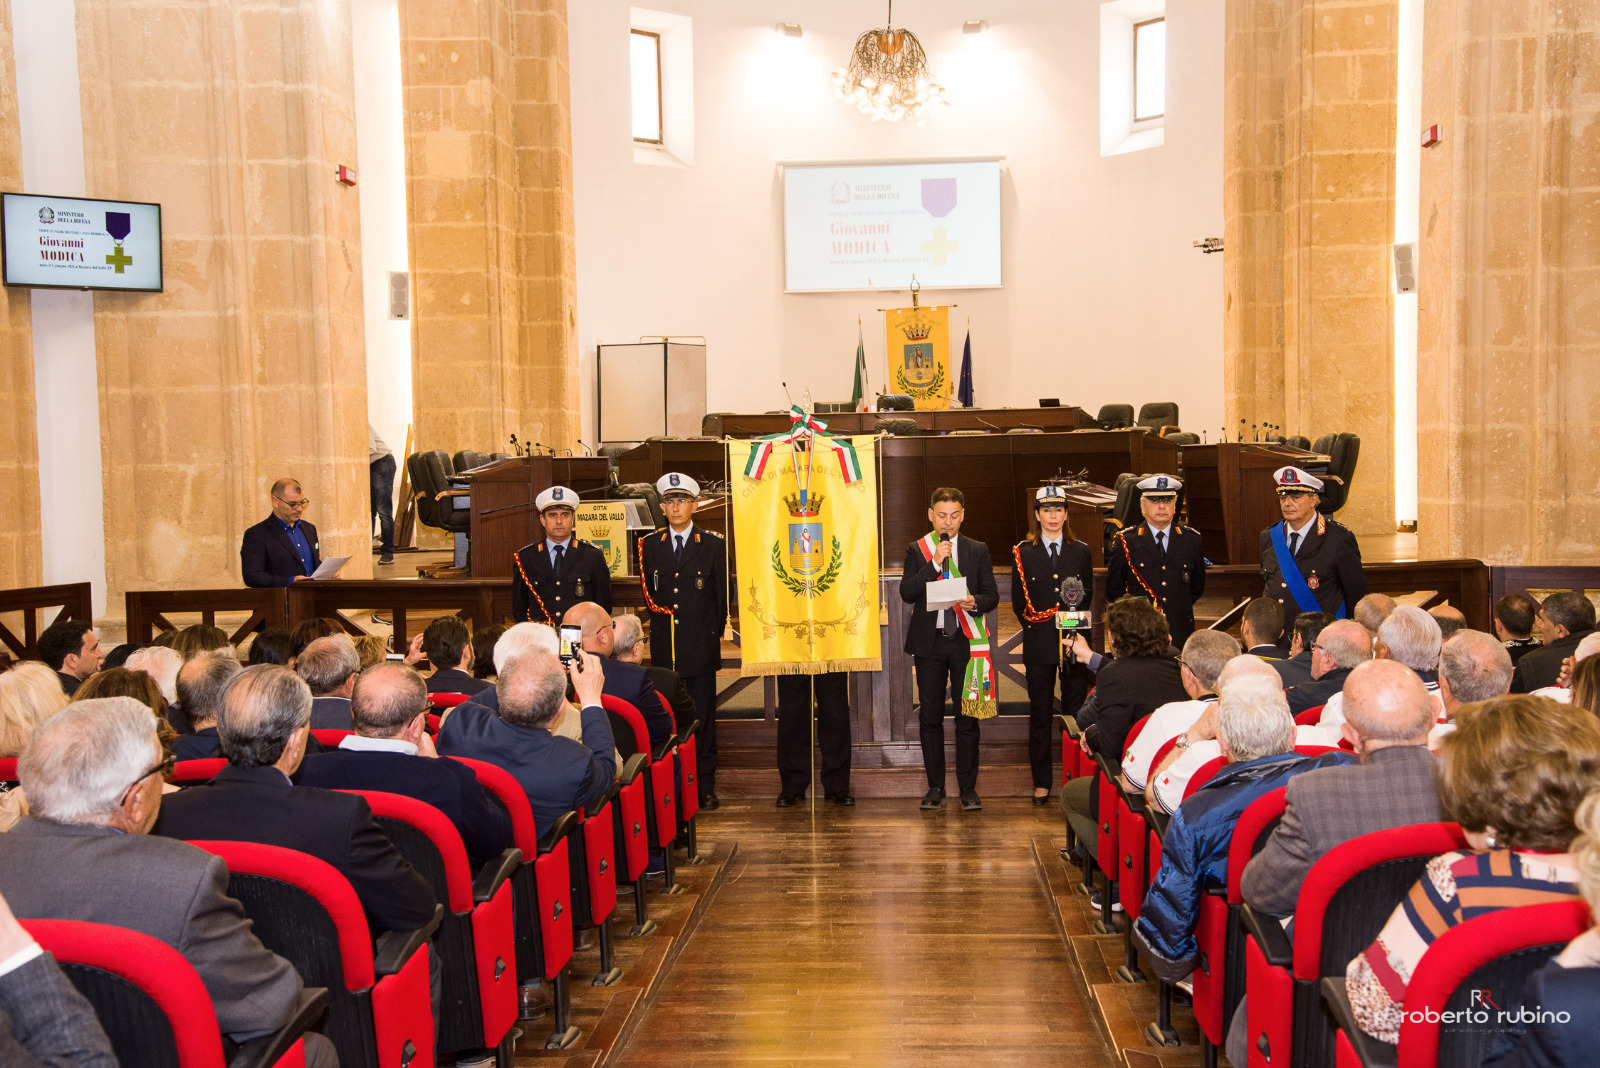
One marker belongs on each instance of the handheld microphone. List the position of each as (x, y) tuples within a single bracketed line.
[(946, 537), (1072, 620), (1071, 591)]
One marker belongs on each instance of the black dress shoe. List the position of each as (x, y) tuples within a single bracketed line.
[(1041, 800), (841, 797), (933, 798), (969, 801), (709, 802), (788, 800)]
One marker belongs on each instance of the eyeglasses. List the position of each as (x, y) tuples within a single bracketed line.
[(301, 503), (165, 768)]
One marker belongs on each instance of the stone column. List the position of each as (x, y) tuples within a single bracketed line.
[(20, 563), (1308, 119), (1509, 283), (250, 365), (489, 176)]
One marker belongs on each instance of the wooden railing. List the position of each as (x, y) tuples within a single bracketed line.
[(72, 598), (148, 609), (1504, 580)]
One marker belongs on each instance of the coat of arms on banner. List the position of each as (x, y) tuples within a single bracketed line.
[(919, 355)]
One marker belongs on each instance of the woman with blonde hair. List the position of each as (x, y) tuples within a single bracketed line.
[(1513, 776), (190, 642), (30, 693)]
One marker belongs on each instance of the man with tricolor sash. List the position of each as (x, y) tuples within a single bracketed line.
[(950, 645), (1309, 563)]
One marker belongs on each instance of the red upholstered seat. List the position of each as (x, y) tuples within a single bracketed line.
[(686, 763), (8, 769), (1309, 718), (660, 788), (193, 772), (448, 700), (330, 737)]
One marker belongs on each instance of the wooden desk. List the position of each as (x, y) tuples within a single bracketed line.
[(503, 493), (703, 461), (1231, 497), (730, 425)]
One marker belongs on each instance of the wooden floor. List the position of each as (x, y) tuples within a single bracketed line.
[(878, 935)]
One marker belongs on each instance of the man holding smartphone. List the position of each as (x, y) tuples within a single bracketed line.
[(684, 571), (552, 575)]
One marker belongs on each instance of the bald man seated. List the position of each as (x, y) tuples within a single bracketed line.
[(1339, 649), (391, 751), (628, 681)]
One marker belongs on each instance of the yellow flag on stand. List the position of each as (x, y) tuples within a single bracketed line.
[(918, 342)]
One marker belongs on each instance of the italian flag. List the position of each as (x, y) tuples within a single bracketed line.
[(849, 463), (760, 453)]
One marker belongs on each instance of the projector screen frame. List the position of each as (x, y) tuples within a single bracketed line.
[(5, 246), (883, 161)]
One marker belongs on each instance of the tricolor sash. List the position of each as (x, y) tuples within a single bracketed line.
[(980, 688)]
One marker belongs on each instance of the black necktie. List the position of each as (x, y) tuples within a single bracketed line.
[(1161, 541), (561, 552), (1294, 544), (1055, 554), (677, 547)]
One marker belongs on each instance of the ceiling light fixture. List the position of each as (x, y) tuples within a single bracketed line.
[(888, 77), (974, 25), (789, 29)]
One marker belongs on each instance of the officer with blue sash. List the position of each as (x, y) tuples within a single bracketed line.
[(1310, 563)]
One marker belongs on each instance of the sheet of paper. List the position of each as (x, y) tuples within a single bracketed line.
[(330, 567), (942, 593)]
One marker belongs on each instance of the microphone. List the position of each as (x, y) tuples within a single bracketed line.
[(1071, 591), (516, 446), (946, 537)]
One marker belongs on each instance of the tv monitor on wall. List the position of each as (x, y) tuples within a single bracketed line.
[(76, 243)]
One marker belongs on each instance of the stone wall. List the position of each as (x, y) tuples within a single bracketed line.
[(20, 563), (234, 114), (1509, 283)]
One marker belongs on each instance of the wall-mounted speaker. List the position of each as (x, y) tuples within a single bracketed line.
[(399, 295), (1405, 267)]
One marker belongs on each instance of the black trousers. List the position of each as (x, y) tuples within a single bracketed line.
[(833, 731), (938, 675), (1041, 691), (382, 472), (703, 692)]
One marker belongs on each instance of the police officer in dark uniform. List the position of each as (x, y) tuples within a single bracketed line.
[(1326, 559), (554, 574), (831, 691), (1159, 559), (1039, 565), (684, 570)]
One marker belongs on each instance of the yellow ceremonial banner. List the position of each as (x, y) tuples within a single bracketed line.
[(605, 524), (806, 543), (919, 355)]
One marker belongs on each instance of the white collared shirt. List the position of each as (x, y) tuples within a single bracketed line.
[(357, 743), (1301, 544), (687, 534)]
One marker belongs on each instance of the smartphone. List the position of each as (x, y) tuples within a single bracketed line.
[(571, 640)]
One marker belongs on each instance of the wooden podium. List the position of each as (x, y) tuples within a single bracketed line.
[(1231, 497), (503, 492)]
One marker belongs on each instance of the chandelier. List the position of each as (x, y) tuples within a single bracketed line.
[(888, 76)]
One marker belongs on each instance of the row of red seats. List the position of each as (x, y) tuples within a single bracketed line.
[(1297, 1012)]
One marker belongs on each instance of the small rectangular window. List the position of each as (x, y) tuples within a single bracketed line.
[(1149, 70), (645, 57)]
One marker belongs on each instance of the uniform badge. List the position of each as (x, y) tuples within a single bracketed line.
[(578, 588), (699, 583), (1312, 582)]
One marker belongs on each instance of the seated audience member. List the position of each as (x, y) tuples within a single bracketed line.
[(371, 650), (1205, 654), (1569, 984), (629, 682), (120, 682), (628, 646), (162, 665), (309, 630), (1512, 775), (93, 775), (483, 643), (165, 638), (1514, 618), (1473, 667), (1564, 620), (1140, 677), (201, 683), (118, 657), (43, 1018), (558, 774), (1296, 669), (1372, 610), (1261, 628), (1586, 684), (448, 644), (264, 724), (269, 646), (391, 751), (329, 666), (1256, 734), (1341, 646), (201, 638), (29, 695), (1561, 689), (72, 649), (1449, 619), (1410, 636)]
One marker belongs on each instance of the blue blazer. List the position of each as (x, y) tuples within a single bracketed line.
[(558, 774), (631, 682), (267, 556), (446, 785), (1553, 989)]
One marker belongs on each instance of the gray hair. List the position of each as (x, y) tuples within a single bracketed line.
[(1412, 637), (1385, 701), (1346, 643), (519, 639), (1475, 666), (387, 697), (82, 760), (532, 689), (1206, 653), (161, 664), (261, 708), (201, 683), (1253, 718), (326, 663), (1372, 610), (630, 632), (1247, 666)]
